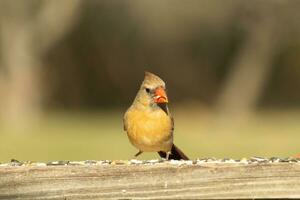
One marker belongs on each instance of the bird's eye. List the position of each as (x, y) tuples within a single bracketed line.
[(147, 90)]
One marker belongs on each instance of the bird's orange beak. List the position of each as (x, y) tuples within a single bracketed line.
[(160, 95)]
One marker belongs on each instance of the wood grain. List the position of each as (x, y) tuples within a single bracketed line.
[(152, 181)]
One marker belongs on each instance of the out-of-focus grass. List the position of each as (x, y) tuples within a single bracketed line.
[(83, 136)]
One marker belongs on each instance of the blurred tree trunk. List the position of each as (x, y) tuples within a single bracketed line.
[(252, 65), (28, 29)]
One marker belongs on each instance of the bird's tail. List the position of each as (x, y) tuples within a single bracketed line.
[(176, 154)]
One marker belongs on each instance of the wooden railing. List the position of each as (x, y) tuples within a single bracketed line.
[(198, 179)]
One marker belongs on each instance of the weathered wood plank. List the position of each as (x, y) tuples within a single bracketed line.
[(152, 181)]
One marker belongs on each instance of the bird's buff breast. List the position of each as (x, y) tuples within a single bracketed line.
[(149, 130)]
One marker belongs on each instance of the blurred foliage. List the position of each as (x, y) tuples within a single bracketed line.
[(101, 62)]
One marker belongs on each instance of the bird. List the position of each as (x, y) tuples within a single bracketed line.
[(148, 122)]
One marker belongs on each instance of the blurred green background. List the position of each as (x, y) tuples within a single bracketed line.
[(70, 69)]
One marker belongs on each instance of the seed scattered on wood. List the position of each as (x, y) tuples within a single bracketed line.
[(251, 160)]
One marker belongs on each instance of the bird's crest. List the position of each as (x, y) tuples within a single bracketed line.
[(152, 79)]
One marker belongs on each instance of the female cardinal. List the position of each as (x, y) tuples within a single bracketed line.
[(148, 122)]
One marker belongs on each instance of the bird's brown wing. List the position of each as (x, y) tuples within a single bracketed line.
[(172, 120), (124, 124), (125, 121)]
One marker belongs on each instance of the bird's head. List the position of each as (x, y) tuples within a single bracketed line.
[(152, 91)]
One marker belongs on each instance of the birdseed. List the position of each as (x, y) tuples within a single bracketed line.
[(198, 161)]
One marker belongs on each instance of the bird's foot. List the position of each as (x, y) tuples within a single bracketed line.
[(163, 159), (168, 155), (137, 154)]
